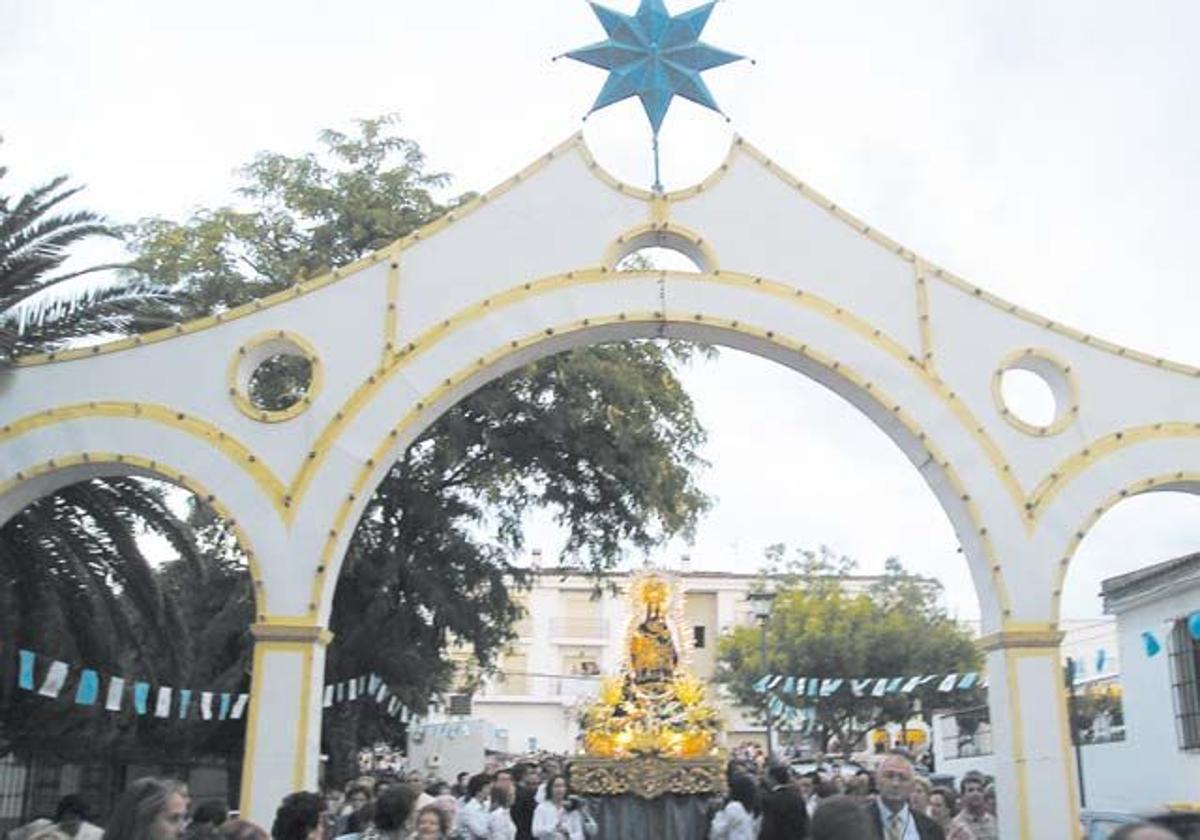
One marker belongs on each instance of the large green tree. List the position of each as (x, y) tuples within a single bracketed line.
[(605, 437), (819, 629)]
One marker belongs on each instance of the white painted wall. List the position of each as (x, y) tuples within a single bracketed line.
[(1174, 775)]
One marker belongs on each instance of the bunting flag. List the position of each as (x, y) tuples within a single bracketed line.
[(239, 708), (1101, 658), (168, 700), (859, 687), (89, 688), (1193, 624), (162, 707), (25, 680), (56, 677), (1150, 642), (116, 692), (821, 687)]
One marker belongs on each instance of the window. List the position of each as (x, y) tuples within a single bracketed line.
[(698, 636), (1185, 680)]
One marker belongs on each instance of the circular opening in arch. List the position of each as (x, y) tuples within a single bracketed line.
[(274, 377), (1035, 392), (658, 258), (1028, 397), (693, 143), (280, 382)]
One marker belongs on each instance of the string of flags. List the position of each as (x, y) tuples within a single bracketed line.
[(1150, 639), (816, 688), (369, 687), (48, 677), (112, 693)]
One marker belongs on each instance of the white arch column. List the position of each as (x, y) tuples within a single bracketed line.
[(283, 726), (1037, 790)]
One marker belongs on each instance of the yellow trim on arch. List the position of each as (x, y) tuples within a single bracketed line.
[(391, 316), (241, 455), (631, 241), (285, 498), (1064, 415), (286, 635), (794, 296), (1073, 465), (379, 454), (577, 143), (242, 399), (303, 287), (167, 473), (1165, 481)]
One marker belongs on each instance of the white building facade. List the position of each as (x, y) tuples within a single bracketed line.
[(1161, 692)]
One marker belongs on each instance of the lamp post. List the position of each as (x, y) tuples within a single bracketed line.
[(1069, 675), (761, 603)]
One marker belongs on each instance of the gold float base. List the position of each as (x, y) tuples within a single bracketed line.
[(648, 776)]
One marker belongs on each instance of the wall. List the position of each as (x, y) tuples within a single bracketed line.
[(700, 610), (549, 721), (444, 755), (1150, 706)]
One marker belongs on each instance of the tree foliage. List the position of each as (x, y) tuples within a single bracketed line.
[(76, 584), (39, 305), (819, 629), (605, 437)]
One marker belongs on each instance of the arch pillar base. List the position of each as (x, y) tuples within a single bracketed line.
[(1037, 789), (283, 726)]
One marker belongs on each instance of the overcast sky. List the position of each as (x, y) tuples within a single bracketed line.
[(1050, 152)]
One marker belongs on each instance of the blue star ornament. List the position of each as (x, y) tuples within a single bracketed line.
[(654, 56)]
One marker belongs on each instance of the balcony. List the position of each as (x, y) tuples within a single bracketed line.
[(577, 628)]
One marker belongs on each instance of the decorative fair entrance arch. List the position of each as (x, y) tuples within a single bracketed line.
[(528, 270)]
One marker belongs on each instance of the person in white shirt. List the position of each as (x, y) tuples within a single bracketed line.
[(473, 818), (560, 818), (500, 821), (738, 820)]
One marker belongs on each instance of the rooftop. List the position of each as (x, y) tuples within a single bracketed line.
[(1140, 581)]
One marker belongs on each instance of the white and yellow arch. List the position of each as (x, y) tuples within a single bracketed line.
[(529, 269)]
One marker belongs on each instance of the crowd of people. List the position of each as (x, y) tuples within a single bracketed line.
[(891, 803), (533, 801)]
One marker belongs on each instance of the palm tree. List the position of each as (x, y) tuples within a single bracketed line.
[(77, 584), (37, 309)]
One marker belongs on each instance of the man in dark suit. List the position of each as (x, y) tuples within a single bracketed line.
[(784, 815), (525, 801), (890, 816)]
